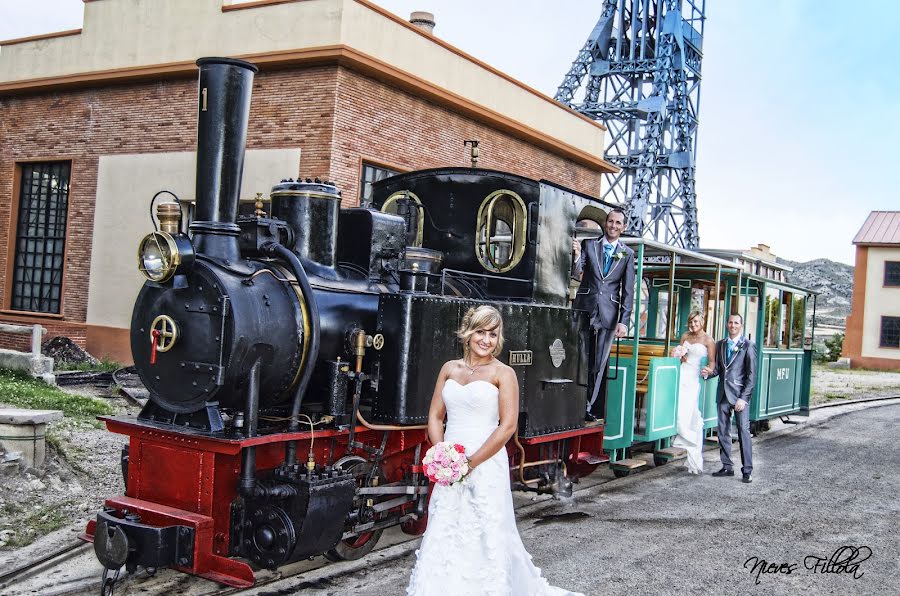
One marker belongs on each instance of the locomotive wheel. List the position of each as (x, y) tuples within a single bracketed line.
[(660, 461), (620, 473), (355, 547)]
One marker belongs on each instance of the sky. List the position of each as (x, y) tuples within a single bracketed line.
[(798, 135)]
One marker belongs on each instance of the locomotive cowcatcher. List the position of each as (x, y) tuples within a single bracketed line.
[(290, 356)]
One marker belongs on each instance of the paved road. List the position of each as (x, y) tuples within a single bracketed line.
[(831, 482)]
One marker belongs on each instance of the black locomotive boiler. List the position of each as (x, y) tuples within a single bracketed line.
[(290, 353)]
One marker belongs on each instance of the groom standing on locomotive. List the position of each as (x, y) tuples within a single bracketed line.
[(605, 268)]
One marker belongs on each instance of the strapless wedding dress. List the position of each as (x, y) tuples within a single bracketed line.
[(690, 420), (472, 546)]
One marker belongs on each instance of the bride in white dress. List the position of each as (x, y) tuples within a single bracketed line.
[(472, 545), (696, 344)]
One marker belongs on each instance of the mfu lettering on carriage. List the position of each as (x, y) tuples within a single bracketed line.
[(782, 374)]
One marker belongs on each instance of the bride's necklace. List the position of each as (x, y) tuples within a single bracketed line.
[(472, 369)]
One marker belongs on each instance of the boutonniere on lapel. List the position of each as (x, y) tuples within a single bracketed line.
[(620, 255), (737, 348)]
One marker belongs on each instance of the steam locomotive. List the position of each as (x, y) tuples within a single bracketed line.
[(291, 355)]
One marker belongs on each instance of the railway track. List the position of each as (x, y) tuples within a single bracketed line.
[(55, 557)]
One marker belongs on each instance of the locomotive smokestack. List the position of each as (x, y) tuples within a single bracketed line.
[(223, 112)]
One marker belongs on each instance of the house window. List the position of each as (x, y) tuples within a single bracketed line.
[(892, 273), (890, 332), (40, 237), (370, 175)]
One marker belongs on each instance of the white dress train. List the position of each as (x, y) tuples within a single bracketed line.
[(472, 546), (690, 419)]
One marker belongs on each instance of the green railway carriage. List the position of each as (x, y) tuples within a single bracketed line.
[(643, 380)]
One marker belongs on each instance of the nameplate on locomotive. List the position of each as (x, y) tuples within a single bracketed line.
[(520, 357), (557, 353)]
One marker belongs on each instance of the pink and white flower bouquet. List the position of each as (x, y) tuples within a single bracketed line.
[(679, 352), (446, 463)]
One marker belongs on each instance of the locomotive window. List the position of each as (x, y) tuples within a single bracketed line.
[(390, 206), (40, 237), (501, 231)]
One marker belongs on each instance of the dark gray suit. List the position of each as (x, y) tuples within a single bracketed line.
[(609, 298), (737, 377)]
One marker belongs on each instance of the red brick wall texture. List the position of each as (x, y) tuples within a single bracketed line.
[(337, 117)]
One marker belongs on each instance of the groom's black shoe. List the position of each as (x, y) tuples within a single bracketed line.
[(588, 417), (747, 479), (723, 472)]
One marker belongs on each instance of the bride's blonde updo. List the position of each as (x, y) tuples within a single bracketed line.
[(481, 317), (695, 315)]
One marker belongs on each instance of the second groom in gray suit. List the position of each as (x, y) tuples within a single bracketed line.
[(605, 268), (735, 365)]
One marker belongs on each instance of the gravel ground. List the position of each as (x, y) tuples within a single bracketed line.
[(830, 384), (82, 468)]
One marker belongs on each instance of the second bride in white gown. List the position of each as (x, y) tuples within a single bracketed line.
[(696, 344), (472, 546)]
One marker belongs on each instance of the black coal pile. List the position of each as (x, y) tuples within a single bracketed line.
[(65, 351)]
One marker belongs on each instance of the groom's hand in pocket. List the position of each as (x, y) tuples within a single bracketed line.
[(739, 405)]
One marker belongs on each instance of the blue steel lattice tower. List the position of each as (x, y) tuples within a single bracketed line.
[(639, 74)]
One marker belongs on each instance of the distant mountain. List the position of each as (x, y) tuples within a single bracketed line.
[(834, 283)]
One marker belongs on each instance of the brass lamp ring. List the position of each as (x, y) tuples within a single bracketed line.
[(166, 332)]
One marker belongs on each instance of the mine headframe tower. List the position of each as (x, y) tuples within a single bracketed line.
[(639, 74)]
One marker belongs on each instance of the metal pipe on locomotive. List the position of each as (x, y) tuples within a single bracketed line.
[(259, 336)]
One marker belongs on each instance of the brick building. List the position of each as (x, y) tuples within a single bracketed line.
[(95, 121), (873, 327)]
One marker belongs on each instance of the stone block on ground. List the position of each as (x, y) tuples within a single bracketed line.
[(23, 431)]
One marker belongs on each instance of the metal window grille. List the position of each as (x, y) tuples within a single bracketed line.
[(890, 332), (370, 175), (41, 237), (892, 273)]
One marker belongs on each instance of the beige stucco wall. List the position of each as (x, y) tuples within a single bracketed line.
[(125, 185), (128, 34), (880, 302)]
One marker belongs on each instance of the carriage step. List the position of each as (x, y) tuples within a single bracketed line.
[(628, 464), (586, 457), (670, 453), (597, 422)]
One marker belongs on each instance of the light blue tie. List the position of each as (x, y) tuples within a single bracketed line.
[(730, 349), (607, 257)]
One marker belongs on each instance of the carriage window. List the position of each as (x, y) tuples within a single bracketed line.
[(772, 312), (798, 315), (391, 205), (501, 231), (785, 319)]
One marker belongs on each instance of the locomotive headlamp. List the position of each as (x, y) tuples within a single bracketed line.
[(161, 255)]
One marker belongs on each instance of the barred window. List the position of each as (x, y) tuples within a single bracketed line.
[(890, 332), (892, 273), (40, 237), (370, 175)]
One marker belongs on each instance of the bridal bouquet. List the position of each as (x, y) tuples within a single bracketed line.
[(679, 352), (446, 463)]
